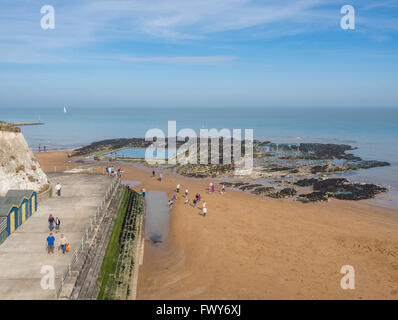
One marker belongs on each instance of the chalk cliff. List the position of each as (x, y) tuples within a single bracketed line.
[(19, 168)]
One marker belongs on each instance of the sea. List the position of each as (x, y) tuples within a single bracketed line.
[(373, 131)]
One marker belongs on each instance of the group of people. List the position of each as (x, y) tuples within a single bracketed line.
[(195, 201), (50, 241), (110, 171), (154, 176), (63, 243)]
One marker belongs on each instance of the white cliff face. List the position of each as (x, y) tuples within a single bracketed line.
[(19, 168)]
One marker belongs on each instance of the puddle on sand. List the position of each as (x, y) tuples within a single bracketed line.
[(157, 217), (130, 183)]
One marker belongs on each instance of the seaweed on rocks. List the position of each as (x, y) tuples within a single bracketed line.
[(264, 191), (250, 187), (313, 197)]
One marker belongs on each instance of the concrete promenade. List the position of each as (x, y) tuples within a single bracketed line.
[(24, 253)]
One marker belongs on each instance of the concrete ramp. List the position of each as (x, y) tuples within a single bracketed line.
[(24, 253)]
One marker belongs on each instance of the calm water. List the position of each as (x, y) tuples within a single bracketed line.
[(157, 217), (373, 131)]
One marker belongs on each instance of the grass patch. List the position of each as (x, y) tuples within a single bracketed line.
[(112, 251)]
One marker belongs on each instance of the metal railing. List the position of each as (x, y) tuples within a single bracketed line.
[(88, 234)]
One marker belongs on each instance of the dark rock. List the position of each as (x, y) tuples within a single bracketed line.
[(306, 182), (285, 193), (341, 188), (358, 191), (319, 151), (313, 197), (264, 191), (234, 184), (249, 187), (330, 185), (205, 170)]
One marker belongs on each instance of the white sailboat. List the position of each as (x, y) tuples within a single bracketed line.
[(65, 111)]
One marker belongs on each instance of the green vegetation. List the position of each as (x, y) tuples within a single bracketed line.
[(112, 252), (4, 126)]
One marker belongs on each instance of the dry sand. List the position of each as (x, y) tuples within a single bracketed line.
[(253, 247)]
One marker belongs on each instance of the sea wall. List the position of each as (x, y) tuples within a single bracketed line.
[(19, 168)]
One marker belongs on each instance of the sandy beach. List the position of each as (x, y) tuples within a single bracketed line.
[(253, 247)]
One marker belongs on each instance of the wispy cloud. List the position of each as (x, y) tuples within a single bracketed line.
[(199, 60), (80, 24)]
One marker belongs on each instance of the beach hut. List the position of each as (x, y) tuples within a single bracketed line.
[(8, 218), (3, 229), (33, 203), (23, 200)]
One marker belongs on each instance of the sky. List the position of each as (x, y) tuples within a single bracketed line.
[(198, 53)]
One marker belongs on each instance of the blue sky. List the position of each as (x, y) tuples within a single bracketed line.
[(191, 53)]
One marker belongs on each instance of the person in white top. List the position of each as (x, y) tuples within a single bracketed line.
[(58, 188), (204, 211), (186, 193), (178, 188)]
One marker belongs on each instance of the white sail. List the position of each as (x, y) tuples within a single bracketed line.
[(65, 110)]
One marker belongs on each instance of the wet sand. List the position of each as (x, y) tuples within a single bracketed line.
[(253, 247)]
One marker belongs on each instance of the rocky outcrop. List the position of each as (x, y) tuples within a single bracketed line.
[(266, 191), (338, 188), (204, 171), (19, 168)]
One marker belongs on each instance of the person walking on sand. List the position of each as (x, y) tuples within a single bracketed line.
[(194, 203), (153, 173), (186, 193), (63, 243), (222, 189), (186, 201), (50, 243), (204, 204), (58, 188), (213, 187), (199, 197), (143, 192), (57, 224), (160, 177), (51, 222), (204, 210), (178, 188)]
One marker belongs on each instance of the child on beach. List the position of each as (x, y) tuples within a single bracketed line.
[(204, 211)]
